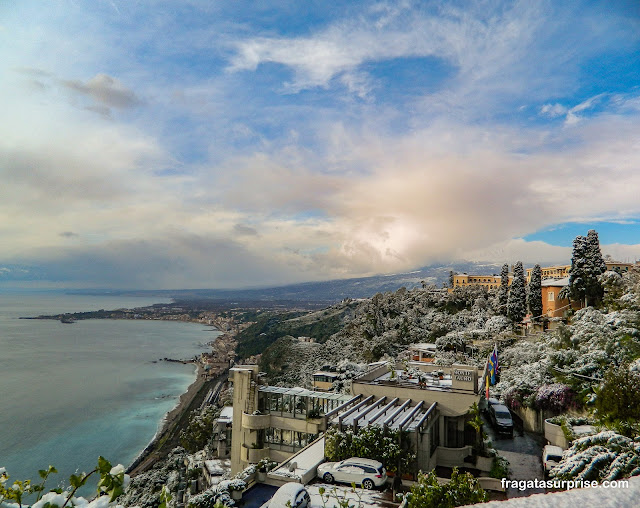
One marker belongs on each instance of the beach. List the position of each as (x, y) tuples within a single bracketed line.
[(168, 435)]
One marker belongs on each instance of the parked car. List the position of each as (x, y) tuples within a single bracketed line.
[(500, 417), (366, 472), (293, 493), (551, 456), (491, 402)]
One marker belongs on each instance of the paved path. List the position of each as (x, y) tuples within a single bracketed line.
[(524, 453)]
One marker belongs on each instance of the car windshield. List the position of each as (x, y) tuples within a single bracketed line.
[(502, 414), (554, 458)]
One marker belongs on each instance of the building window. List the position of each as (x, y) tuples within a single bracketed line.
[(551, 296)]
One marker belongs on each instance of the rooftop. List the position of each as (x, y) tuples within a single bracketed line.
[(556, 282), (385, 411), (303, 392)]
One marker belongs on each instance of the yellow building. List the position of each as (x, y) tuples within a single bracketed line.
[(562, 271), (488, 281), (551, 272)]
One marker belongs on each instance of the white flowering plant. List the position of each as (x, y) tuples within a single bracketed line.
[(113, 481)]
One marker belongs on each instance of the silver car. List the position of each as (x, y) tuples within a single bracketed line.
[(366, 472)]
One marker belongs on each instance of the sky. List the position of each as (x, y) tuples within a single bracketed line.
[(215, 144)]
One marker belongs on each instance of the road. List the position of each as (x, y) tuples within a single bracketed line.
[(524, 453)]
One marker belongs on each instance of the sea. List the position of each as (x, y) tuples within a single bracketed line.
[(72, 392)]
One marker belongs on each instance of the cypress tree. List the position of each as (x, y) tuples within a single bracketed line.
[(503, 290), (587, 265), (517, 301), (534, 292)]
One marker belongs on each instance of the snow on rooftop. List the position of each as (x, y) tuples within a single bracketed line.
[(556, 282), (431, 379), (306, 460), (226, 415)]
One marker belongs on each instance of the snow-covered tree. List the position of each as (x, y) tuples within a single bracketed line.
[(603, 456), (587, 265), (517, 300), (503, 290), (534, 293)]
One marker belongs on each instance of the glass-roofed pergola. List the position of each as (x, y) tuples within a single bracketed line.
[(298, 402)]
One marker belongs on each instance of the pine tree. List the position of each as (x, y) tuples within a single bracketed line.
[(534, 292), (503, 290), (517, 301), (452, 274), (587, 265)]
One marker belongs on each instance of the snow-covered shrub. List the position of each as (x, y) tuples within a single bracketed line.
[(603, 456)]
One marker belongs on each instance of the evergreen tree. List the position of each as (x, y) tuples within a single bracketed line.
[(503, 290), (451, 276), (517, 300), (587, 265), (534, 292)]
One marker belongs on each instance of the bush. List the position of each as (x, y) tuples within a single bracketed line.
[(618, 401), (200, 428), (463, 489), (370, 443), (556, 397)]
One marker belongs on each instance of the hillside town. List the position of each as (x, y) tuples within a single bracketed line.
[(473, 393), (495, 388)]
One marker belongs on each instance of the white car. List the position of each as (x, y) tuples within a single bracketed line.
[(293, 493), (366, 472), (551, 456)]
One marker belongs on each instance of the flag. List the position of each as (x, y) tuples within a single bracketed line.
[(491, 369), (487, 392), (493, 362)]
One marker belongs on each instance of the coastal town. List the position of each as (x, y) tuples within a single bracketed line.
[(343, 254), (481, 403)]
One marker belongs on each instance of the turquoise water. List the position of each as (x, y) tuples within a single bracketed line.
[(72, 392)]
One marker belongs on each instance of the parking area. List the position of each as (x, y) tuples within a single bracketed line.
[(333, 494), (524, 453)]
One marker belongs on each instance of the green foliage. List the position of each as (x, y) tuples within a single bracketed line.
[(618, 401), (463, 489), (198, 432), (270, 326), (342, 502), (112, 483), (392, 449), (165, 497), (499, 468)]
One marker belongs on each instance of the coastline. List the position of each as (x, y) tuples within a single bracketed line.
[(168, 425)]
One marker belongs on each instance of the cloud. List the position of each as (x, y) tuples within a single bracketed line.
[(105, 91), (373, 139), (243, 230), (572, 114), (553, 110)]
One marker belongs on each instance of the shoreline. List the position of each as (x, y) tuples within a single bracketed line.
[(168, 424)]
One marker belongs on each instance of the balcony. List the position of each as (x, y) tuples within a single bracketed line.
[(253, 455), (255, 422)]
